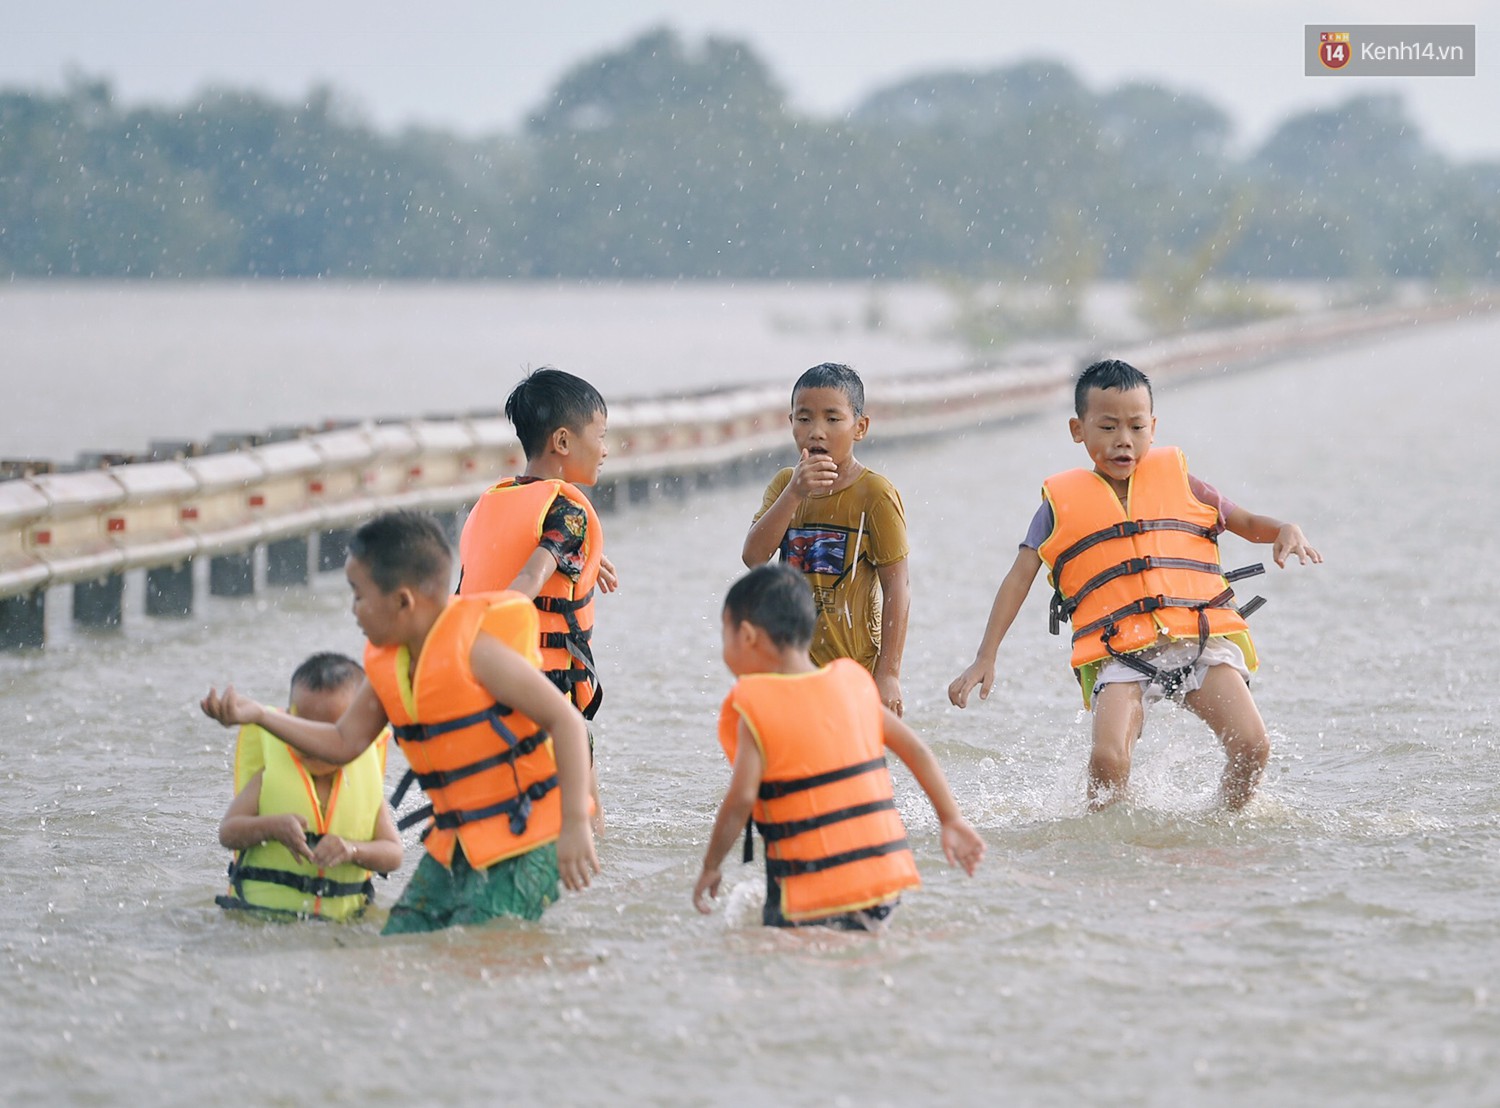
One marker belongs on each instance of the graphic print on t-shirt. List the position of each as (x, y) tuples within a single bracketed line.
[(816, 549)]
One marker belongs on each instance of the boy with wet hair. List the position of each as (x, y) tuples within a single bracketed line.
[(1131, 548), (538, 534), (500, 752), (808, 749), (844, 527), (308, 834)]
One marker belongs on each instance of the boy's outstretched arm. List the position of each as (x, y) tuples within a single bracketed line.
[(1286, 539), (609, 577), (962, 845), (895, 613), (339, 743), (1008, 600), (815, 473), (734, 813), (535, 573), (512, 680)]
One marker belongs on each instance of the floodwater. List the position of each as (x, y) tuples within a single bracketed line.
[(1338, 942)]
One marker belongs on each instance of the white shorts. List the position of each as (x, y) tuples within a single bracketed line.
[(1217, 651)]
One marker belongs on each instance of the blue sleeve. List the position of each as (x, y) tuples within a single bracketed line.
[(1041, 527)]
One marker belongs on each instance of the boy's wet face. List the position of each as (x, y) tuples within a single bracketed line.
[(735, 649), (823, 422), (1116, 428), (375, 611), (321, 706), (586, 451)]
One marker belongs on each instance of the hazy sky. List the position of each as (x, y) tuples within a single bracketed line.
[(478, 66)]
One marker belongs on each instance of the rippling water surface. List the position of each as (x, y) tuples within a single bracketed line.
[(1337, 942)]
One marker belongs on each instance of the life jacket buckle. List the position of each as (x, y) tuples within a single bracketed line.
[(520, 814), (1170, 681)]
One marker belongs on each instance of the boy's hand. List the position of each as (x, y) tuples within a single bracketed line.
[(707, 889), (890, 692), (576, 860), (815, 474), (231, 709), (290, 830), (332, 851), (609, 580), (1290, 540), (962, 845), (977, 674)]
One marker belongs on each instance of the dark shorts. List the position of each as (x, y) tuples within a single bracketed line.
[(873, 918), (519, 887)]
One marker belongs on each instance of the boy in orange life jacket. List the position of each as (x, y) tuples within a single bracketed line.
[(842, 525), (1131, 549), (457, 679), (538, 534), (808, 749), (308, 834)]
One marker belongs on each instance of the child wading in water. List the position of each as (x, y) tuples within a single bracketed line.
[(538, 534), (1132, 553), (842, 525), (500, 752), (307, 834), (808, 749)]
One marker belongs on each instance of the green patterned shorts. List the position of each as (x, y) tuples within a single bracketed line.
[(520, 887)]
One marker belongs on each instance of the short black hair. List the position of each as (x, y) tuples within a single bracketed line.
[(404, 549), (547, 399), (833, 375), (777, 599), (326, 672), (1108, 374)]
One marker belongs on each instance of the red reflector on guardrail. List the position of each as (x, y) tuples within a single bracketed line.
[(114, 523)]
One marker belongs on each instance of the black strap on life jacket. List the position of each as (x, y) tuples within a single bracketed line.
[(1148, 604), (576, 641), (518, 808), (786, 829), (1170, 681), (1124, 530), (307, 884), (1063, 608), (773, 790), (789, 867)]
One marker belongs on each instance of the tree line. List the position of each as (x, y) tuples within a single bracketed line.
[(665, 159)]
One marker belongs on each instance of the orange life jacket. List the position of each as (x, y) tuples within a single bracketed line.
[(1127, 580), (488, 771), (834, 840), (500, 535)]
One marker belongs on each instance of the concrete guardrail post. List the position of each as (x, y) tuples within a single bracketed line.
[(101, 603), (23, 621), (169, 590)]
